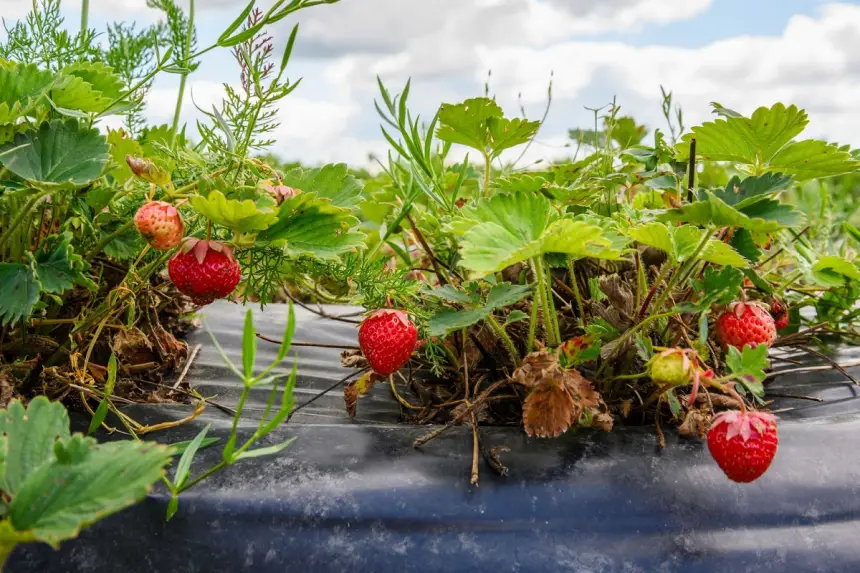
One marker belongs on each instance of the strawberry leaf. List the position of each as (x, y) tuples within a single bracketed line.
[(500, 296), (19, 292), (748, 367), (834, 271), (479, 123), (308, 225), (239, 216), (331, 182), (61, 154), (714, 211)]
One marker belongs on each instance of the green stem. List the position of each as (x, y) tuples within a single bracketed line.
[(550, 299), (575, 286), (20, 217), (509, 344), (488, 167), (619, 342), (186, 53), (85, 14), (122, 230), (540, 277), (532, 326), (684, 270)]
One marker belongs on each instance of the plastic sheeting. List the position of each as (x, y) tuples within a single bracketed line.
[(353, 495)]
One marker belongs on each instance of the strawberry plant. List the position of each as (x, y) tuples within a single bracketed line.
[(637, 281)]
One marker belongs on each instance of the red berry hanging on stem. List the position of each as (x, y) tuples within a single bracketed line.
[(387, 338), (743, 443), (204, 270)]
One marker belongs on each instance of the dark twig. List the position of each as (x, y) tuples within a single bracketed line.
[(830, 361), (326, 391), (310, 344), (796, 396), (319, 312), (459, 417), (443, 279), (776, 373), (692, 168)]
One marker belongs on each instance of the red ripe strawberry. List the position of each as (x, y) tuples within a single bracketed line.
[(387, 338), (204, 270), (745, 323), (160, 224), (743, 443), (779, 313)]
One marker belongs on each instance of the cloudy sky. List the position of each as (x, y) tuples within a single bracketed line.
[(741, 53)]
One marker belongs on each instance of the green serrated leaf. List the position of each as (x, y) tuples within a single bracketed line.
[(748, 366), (310, 225), (746, 140), (61, 154), (333, 182), (466, 123), (58, 500), (813, 159), (720, 253), (29, 439), (19, 292), (239, 216), (743, 242), (833, 271), (59, 268), (714, 211), (739, 193), (515, 316), (455, 295), (20, 88), (500, 296)]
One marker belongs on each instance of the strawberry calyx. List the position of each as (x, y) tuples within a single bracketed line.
[(743, 423), (202, 246), (399, 314)]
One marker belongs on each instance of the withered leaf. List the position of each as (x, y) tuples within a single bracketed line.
[(549, 410), (695, 424), (171, 350), (132, 347), (356, 389), (603, 421), (534, 367), (353, 359), (480, 413)]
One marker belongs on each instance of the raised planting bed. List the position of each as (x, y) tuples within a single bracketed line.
[(354, 495)]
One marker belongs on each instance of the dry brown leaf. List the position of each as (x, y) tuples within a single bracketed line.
[(549, 410), (132, 347), (603, 421), (356, 389), (559, 396), (480, 412), (626, 408), (353, 359), (695, 424), (172, 351), (534, 368)]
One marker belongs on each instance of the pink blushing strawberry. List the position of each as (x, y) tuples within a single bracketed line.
[(160, 224), (743, 443), (204, 270)]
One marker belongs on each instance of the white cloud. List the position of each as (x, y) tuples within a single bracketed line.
[(447, 46)]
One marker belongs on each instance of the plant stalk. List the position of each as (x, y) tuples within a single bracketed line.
[(540, 277), (575, 286), (186, 53), (85, 15), (502, 333), (488, 166), (20, 217)]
